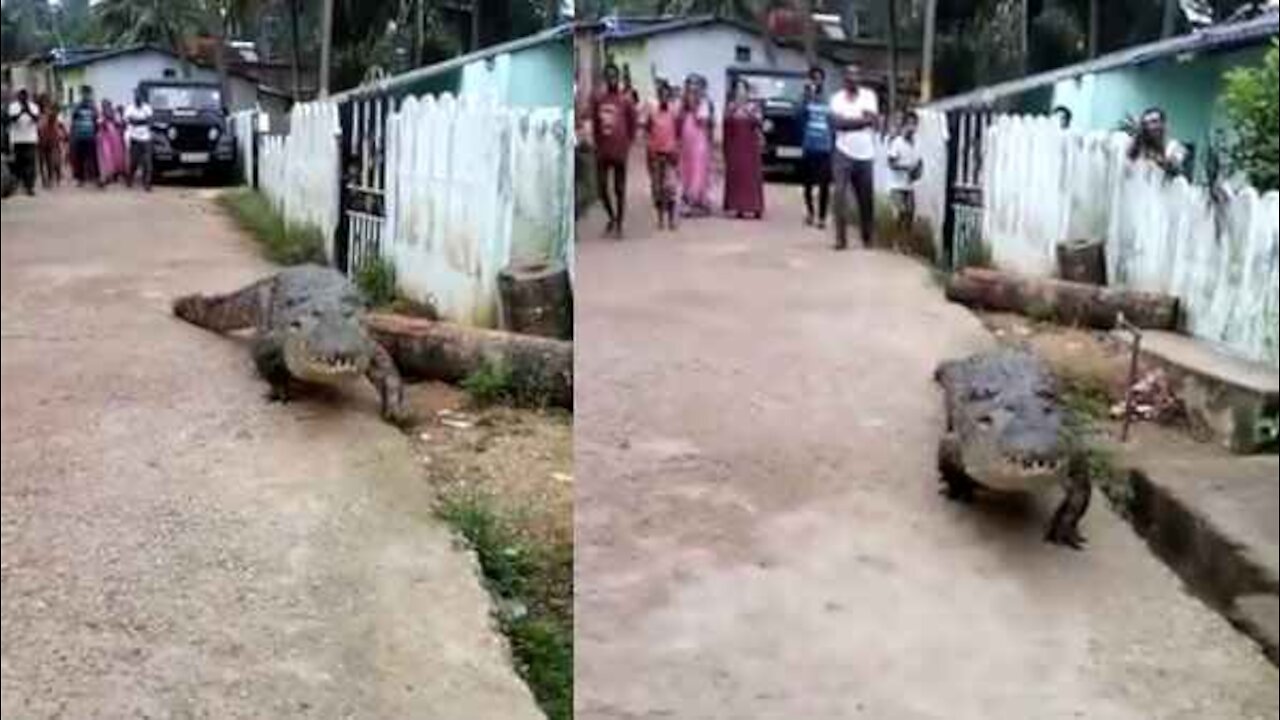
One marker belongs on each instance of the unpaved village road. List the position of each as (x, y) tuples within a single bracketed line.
[(176, 547), (759, 530)]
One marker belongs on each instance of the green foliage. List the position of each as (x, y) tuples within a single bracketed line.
[(281, 243), (376, 278), (1251, 99), (916, 240), (161, 22), (491, 383), (532, 586)]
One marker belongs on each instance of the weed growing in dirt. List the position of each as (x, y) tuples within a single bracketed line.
[(281, 243), (376, 278), (916, 241), (532, 587), (490, 383)]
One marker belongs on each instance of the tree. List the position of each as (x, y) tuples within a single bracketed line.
[(166, 23), (1251, 100)]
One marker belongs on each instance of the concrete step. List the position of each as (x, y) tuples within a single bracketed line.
[(1237, 401), (1215, 520)]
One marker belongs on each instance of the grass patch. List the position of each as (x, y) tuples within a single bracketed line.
[(489, 384), (916, 240), (532, 585), (280, 242), (376, 278)]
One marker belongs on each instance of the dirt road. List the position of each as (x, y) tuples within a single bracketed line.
[(176, 547), (759, 531)]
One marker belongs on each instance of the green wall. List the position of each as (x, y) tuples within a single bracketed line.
[(542, 76), (1186, 88)]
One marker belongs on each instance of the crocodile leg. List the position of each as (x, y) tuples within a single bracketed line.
[(268, 357), (386, 378), (958, 485), (1064, 528), (244, 308)]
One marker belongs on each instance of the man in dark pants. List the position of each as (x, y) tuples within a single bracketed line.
[(855, 113), (138, 118), (23, 118), (613, 121), (84, 146)]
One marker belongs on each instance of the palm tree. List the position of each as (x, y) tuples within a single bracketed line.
[(165, 23)]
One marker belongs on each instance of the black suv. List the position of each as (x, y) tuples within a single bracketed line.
[(189, 128), (781, 96)]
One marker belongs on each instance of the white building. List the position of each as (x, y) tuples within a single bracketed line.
[(706, 45), (114, 74)]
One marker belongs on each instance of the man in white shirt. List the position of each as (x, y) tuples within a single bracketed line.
[(905, 167), (138, 119), (855, 113), (23, 118)]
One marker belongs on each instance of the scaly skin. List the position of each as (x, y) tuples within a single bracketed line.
[(1005, 433), (309, 324)]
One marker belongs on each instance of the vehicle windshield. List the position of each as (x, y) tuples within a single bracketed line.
[(184, 98), (774, 87)]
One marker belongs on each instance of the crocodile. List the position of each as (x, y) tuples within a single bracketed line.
[(309, 328), (1005, 434)]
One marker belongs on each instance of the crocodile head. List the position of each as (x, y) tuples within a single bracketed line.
[(1009, 423), (323, 334)]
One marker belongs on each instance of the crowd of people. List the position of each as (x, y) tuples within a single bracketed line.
[(839, 139), (100, 142)]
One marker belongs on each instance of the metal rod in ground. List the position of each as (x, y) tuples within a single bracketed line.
[(1124, 324)]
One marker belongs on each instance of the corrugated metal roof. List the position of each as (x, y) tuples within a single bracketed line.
[(1214, 38)]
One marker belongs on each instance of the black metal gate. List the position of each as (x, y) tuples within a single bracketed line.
[(962, 224), (364, 180)]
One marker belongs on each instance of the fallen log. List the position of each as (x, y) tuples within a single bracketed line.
[(541, 369), (1069, 303)]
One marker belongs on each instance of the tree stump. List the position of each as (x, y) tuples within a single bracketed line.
[(1069, 303), (539, 367), (536, 299), (1083, 261)]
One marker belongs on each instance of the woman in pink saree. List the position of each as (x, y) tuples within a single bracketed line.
[(696, 121), (111, 157)]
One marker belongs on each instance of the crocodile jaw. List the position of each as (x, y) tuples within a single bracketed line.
[(308, 367)]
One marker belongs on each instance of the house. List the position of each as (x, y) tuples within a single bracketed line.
[(115, 73), (532, 72), (1182, 75), (672, 48)]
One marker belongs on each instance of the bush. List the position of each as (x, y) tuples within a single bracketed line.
[(489, 384), (1251, 100), (281, 243), (376, 278)]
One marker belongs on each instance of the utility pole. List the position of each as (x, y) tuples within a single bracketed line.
[(419, 31), (893, 58), (1025, 37), (926, 59), (326, 46), (810, 34), (1168, 23), (1095, 8), (475, 25)]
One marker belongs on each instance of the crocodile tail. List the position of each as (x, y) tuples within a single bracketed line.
[(244, 308)]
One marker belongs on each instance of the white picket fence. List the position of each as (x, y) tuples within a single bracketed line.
[(473, 186), (299, 172), (244, 123), (1044, 185)]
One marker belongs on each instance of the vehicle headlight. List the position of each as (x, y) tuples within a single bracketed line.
[(214, 132), (768, 126), (173, 133)]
